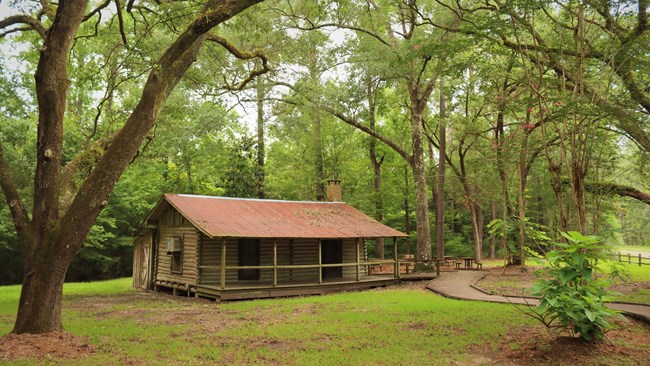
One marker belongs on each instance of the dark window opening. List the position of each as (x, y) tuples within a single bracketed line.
[(175, 251), (248, 254), (332, 252)]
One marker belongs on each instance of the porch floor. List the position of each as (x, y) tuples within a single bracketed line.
[(256, 290)]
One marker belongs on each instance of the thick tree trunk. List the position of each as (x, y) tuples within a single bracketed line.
[(420, 185), (39, 308), (52, 242)]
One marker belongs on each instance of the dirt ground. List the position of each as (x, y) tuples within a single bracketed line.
[(54, 345), (529, 346)]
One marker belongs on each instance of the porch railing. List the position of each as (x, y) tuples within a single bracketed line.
[(223, 268)]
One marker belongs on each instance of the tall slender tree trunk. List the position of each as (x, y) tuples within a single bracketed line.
[(522, 175), (376, 166), (521, 207), (317, 137), (493, 239), (418, 104), (261, 146), (407, 211), (579, 140), (475, 210), (440, 197), (556, 183)]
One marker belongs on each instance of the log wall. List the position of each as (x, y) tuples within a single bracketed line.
[(289, 252), (173, 224)]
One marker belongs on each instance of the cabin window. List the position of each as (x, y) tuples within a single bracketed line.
[(175, 252), (248, 254)]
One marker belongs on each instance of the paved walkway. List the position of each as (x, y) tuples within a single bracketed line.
[(458, 285)]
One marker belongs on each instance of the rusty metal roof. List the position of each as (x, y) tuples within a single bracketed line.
[(257, 218)]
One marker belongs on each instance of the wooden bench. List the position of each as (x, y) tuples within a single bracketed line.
[(479, 265)]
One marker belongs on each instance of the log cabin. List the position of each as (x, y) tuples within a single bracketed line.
[(231, 248)]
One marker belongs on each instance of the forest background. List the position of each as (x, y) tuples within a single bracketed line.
[(437, 116)]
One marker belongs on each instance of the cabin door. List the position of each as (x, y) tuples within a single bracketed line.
[(332, 252), (249, 255)]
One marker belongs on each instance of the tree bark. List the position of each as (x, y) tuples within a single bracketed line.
[(261, 147), (475, 210), (418, 102), (317, 138), (420, 186), (617, 189), (39, 308), (407, 211), (493, 239), (440, 197), (53, 240), (376, 166)]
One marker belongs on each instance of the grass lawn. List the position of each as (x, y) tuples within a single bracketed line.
[(632, 248), (398, 325)]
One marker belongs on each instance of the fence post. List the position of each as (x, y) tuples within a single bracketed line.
[(639, 259), (619, 257), (629, 258)]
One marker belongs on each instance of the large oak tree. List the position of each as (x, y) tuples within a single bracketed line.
[(55, 230)]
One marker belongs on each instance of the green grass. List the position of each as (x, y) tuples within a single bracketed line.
[(631, 248), (377, 327), (9, 295), (397, 326)]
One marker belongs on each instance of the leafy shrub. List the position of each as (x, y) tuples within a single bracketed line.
[(534, 233), (572, 296)]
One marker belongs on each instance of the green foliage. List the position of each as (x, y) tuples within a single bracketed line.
[(535, 234), (242, 172), (572, 295), (458, 246)]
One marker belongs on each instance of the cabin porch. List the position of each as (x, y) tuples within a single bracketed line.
[(258, 290)]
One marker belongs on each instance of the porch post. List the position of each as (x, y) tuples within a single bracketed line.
[(320, 262), (395, 257), (223, 264), (358, 263), (275, 262)]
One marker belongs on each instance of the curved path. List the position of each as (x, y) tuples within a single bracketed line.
[(458, 285)]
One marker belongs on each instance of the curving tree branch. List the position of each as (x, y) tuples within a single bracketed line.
[(242, 55), (614, 189), (31, 22)]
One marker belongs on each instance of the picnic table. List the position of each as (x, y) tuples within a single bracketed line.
[(468, 262)]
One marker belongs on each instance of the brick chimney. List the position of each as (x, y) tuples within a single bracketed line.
[(334, 192)]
